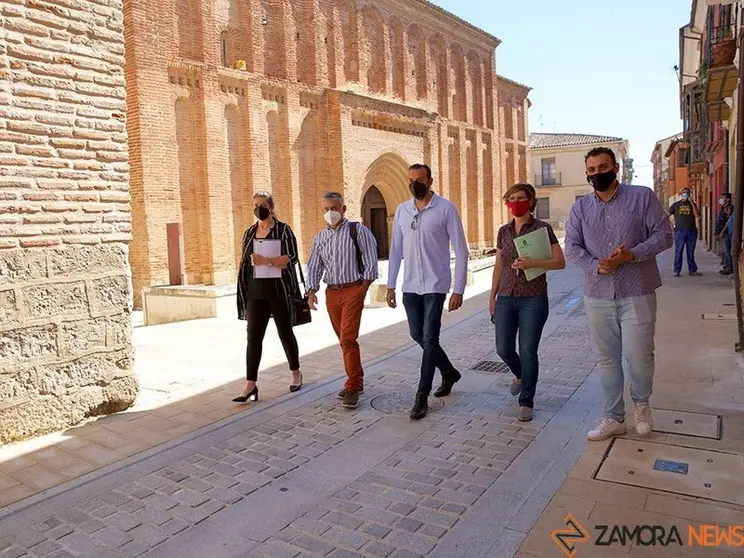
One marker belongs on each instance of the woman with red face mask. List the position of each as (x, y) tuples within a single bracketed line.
[(517, 305)]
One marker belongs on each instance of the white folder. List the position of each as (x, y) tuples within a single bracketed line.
[(270, 249)]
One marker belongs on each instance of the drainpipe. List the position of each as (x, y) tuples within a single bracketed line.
[(739, 201)]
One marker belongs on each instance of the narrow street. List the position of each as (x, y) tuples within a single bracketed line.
[(299, 476)]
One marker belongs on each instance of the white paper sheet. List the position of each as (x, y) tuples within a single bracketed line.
[(269, 249)]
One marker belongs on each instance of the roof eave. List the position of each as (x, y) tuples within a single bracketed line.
[(580, 145), (492, 38), (515, 83)]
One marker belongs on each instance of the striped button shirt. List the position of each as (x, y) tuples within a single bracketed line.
[(634, 218), (333, 256)]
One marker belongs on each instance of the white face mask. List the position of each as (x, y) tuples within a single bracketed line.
[(332, 217)]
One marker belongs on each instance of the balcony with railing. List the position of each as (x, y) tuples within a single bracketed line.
[(548, 179), (721, 76)]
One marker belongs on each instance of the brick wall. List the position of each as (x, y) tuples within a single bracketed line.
[(513, 106), (334, 94), (65, 220)]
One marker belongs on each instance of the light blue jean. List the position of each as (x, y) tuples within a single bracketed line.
[(624, 327)]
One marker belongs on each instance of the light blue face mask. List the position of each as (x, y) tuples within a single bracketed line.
[(685, 196)]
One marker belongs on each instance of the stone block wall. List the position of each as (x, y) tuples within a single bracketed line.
[(65, 218)]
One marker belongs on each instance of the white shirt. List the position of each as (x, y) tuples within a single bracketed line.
[(422, 239)]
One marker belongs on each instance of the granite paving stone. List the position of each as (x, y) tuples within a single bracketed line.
[(401, 502)]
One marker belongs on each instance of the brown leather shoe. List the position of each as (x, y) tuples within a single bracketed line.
[(341, 394), (351, 400)]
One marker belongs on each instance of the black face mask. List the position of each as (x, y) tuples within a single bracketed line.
[(419, 190), (603, 181), (262, 213)]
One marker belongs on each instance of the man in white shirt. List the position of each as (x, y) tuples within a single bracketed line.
[(423, 230)]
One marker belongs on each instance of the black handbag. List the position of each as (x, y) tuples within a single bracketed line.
[(299, 306)]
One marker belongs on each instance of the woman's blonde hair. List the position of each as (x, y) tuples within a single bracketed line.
[(266, 195)]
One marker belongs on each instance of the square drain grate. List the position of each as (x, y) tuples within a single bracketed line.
[(687, 471), (698, 425), (492, 367)]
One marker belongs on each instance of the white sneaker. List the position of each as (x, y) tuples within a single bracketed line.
[(606, 428), (644, 422)]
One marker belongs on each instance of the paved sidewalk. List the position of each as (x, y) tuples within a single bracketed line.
[(302, 477), (697, 371), (189, 372)]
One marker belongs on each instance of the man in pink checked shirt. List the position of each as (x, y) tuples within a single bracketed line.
[(614, 236)]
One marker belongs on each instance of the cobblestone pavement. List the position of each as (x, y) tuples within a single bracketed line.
[(303, 477), (189, 372)]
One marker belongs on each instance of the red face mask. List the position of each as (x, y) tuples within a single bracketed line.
[(519, 208)]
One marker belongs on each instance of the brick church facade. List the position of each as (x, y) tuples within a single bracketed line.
[(227, 97)]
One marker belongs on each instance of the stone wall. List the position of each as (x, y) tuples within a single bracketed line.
[(65, 219)]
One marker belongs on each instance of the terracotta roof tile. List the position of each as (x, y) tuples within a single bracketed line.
[(538, 141)]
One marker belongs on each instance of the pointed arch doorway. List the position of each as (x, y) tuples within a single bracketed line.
[(374, 216)]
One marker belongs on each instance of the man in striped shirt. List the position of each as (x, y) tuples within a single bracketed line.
[(344, 255)]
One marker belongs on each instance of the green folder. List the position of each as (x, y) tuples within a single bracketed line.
[(535, 245)]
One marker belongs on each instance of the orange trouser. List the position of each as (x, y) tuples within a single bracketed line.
[(345, 307)]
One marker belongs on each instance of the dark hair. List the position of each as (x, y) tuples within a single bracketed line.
[(419, 166), (526, 188), (726, 195), (602, 151)]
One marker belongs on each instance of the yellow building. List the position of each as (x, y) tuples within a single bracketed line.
[(558, 171)]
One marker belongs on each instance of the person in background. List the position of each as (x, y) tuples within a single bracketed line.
[(686, 214), (614, 236), (344, 254), (722, 233), (259, 299), (423, 230), (730, 234), (522, 306)]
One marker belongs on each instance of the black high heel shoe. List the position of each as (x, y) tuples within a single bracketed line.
[(252, 396), (293, 388)]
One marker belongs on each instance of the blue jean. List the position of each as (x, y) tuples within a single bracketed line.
[(728, 261), (424, 314), (526, 316), (685, 239), (624, 327)]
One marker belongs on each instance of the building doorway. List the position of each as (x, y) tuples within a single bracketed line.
[(175, 253), (374, 216)]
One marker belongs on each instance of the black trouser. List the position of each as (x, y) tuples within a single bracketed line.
[(257, 314), (424, 314)]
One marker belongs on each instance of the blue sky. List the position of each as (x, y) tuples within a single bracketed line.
[(595, 66)]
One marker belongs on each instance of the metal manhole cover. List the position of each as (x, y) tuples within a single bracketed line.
[(401, 403), (492, 367)]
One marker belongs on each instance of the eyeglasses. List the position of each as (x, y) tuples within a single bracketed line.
[(415, 220)]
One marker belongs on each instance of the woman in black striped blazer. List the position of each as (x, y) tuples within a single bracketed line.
[(260, 299)]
